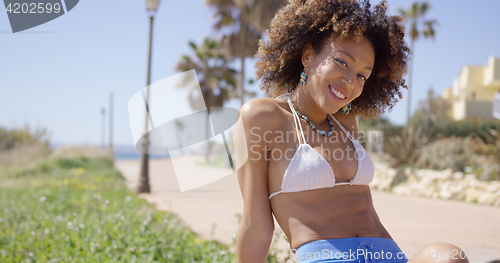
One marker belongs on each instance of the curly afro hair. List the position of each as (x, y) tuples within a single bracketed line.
[(318, 21)]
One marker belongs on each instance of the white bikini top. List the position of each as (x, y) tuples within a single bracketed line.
[(308, 170)]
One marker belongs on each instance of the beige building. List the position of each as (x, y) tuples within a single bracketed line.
[(473, 91)]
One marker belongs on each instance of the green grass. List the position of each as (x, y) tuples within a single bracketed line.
[(78, 210)]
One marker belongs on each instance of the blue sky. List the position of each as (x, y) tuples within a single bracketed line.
[(60, 74)]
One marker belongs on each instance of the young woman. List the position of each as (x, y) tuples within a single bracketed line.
[(329, 60)]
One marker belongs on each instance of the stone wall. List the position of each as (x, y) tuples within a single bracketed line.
[(444, 184)]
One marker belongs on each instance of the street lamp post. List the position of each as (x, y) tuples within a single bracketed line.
[(110, 147), (143, 187), (103, 118)]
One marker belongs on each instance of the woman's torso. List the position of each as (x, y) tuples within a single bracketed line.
[(337, 212)]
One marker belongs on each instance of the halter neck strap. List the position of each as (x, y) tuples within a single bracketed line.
[(296, 120), (342, 127)]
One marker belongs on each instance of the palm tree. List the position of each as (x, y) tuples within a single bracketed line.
[(179, 125), (217, 80), (242, 23), (415, 17)]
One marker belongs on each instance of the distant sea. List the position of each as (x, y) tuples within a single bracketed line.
[(135, 156), (128, 152), (121, 152)]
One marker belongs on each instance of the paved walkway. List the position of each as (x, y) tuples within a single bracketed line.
[(211, 211)]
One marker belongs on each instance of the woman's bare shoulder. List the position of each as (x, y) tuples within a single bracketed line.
[(348, 121), (267, 112)]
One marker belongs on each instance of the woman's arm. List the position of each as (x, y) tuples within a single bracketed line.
[(257, 226)]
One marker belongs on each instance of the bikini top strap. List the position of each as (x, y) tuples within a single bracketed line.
[(296, 120), (342, 127), (283, 96)]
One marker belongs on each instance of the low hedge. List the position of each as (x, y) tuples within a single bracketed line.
[(78, 210)]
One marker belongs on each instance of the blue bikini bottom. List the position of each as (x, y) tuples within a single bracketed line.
[(351, 250)]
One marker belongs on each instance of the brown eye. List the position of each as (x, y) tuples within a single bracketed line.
[(342, 63)]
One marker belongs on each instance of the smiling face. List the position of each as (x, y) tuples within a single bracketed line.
[(336, 75)]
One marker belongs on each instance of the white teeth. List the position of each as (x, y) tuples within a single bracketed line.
[(337, 93)]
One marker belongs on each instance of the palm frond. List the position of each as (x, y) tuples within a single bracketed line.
[(414, 16), (423, 8), (216, 78), (242, 23)]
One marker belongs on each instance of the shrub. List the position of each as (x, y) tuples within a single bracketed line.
[(65, 158), (404, 147), (77, 156), (461, 154), (465, 128), (10, 139), (22, 146)]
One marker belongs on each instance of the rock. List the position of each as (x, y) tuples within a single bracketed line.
[(487, 198), (445, 194), (446, 174), (408, 171), (472, 195), (384, 176), (470, 176), (400, 190), (458, 175), (492, 187), (457, 190), (444, 184)]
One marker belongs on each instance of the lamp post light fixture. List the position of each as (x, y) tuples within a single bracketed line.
[(144, 187), (152, 5)]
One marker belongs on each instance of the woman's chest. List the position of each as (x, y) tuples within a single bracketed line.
[(336, 152)]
